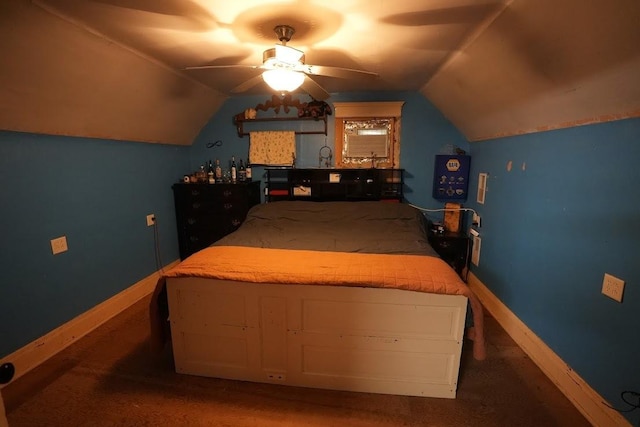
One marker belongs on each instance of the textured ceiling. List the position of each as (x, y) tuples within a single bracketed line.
[(374, 36), (116, 68)]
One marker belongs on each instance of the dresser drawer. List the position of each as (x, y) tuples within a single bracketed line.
[(229, 221), (196, 201), (207, 212), (195, 241), (213, 192), (201, 208)]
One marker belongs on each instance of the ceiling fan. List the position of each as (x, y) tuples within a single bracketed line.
[(285, 69)]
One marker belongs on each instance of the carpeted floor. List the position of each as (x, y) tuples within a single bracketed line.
[(110, 378)]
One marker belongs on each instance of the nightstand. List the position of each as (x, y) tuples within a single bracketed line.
[(453, 248)]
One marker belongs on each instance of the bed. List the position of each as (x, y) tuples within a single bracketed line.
[(336, 295)]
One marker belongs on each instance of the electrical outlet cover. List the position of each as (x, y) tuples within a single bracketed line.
[(612, 287), (475, 251), (482, 187), (59, 245)]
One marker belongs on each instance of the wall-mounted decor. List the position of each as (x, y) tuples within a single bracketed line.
[(313, 111)]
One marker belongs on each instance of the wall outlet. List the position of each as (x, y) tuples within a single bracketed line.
[(151, 220), (476, 220), (59, 245), (276, 376), (612, 287)]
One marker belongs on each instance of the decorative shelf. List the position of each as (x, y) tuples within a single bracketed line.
[(307, 111)]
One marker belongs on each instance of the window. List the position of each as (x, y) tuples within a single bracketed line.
[(366, 138), (367, 134)]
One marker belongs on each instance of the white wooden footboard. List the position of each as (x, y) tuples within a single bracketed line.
[(343, 338)]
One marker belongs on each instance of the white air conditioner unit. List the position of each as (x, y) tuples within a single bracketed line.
[(359, 145)]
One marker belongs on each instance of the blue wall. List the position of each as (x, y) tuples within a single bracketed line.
[(95, 192), (550, 232), (425, 132)]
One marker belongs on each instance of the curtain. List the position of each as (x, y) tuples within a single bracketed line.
[(272, 148)]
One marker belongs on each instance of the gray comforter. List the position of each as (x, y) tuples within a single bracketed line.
[(370, 227)]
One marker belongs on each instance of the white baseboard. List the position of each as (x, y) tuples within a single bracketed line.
[(585, 399), (47, 346)]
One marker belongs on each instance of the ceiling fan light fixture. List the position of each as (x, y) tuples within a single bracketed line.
[(285, 70), (282, 56), (283, 80), (288, 54)]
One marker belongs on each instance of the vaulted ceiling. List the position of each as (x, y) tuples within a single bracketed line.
[(116, 68)]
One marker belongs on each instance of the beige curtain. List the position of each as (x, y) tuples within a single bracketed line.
[(272, 148)]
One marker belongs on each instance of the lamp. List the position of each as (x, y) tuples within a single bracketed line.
[(283, 80)]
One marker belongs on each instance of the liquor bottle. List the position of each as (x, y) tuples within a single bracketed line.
[(234, 169), (218, 171), (201, 175), (248, 171), (242, 172), (211, 174)]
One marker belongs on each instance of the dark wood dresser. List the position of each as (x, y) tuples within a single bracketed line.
[(207, 212)]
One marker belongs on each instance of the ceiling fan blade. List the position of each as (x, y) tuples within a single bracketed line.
[(314, 89), (248, 84), (343, 73)]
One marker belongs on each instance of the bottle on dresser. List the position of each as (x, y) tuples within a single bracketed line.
[(234, 169), (211, 178), (218, 172), (248, 171), (242, 172), (201, 175)]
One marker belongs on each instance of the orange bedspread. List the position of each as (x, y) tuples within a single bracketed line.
[(283, 266)]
